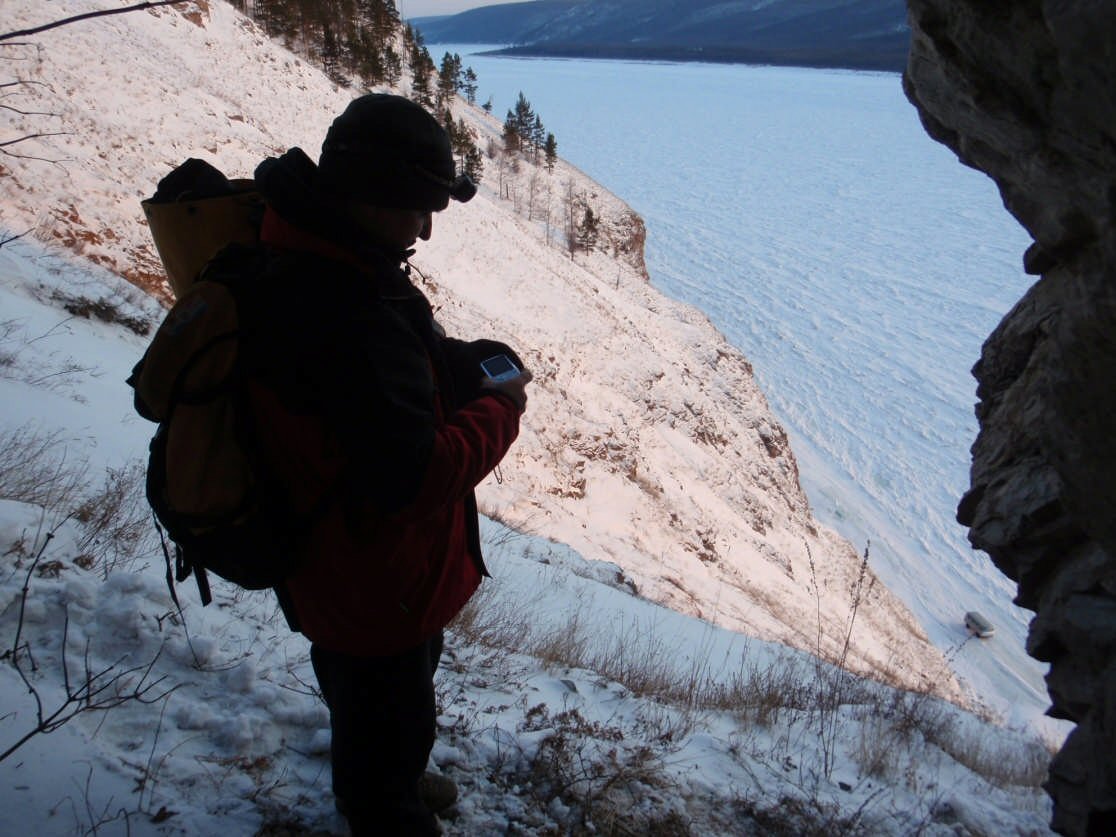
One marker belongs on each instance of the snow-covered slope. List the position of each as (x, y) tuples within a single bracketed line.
[(647, 444)]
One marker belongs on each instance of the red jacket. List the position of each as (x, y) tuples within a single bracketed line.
[(357, 414)]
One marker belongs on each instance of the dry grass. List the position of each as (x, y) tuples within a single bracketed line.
[(114, 520), (1023, 762), (634, 655), (35, 469), (890, 726)]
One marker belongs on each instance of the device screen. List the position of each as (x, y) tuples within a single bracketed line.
[(499, 368)]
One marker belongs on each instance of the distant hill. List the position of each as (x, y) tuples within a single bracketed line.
[(857, 34)]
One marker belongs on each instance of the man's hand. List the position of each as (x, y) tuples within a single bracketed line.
[(514, 388)]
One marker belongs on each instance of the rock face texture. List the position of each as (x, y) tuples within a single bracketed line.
[(1024, 91)]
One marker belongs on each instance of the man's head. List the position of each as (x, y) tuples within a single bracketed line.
[(386, 151)]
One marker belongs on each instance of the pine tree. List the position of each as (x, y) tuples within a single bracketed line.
[(331, 58), (368, 60), (347, 38), (523, 118), (422, 71), (513, 139), (474, 164), (588, 231), (375, 26), (393, 66), (469, 87), (448, 79), (465, 144), (538, 137), (551, 152)]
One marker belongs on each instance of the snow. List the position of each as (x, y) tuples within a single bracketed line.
[(687, 500)]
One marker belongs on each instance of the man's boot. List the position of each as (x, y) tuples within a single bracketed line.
[(437, 792)]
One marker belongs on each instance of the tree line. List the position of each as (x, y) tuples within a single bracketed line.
[(524, 131), (365, 42), (349, 39)]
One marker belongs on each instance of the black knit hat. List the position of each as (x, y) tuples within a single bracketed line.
[(387, 151)]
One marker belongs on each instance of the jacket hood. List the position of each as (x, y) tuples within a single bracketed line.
[(291, 186)]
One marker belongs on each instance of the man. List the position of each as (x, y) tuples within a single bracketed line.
[(377, 428)]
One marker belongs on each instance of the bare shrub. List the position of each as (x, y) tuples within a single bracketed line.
[(508, 532), (34, 469), (849, 719), (633, 655), (638, 657), (915, 712), (116, 522), (102, 309), (834, 684), (567, 647), (8, 354), (493, 621), (797, 817), (586, 767)]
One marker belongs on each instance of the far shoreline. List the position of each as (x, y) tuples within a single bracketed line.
[(889, 61)]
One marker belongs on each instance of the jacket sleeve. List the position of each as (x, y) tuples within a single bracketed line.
[(466, 449), (407, 457)]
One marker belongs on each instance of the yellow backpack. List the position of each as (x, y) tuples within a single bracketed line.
[(206, 481), (195, 213)]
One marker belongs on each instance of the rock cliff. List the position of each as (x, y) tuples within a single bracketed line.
[(1023, 90)]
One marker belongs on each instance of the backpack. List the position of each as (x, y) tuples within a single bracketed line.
[(195, 213), (207, 482)]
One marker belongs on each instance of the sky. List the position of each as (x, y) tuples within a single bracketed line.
[(423, 8)]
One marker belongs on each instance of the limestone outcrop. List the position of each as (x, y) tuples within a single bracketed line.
[(1024, 91)]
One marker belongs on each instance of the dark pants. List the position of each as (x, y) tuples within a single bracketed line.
[(382, 717)]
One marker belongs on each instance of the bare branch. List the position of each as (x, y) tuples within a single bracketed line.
[(9, 239), (65, 642), (28, 112), (23, 595), (98, 691), (21, 81), (4, 150), (58, 163), (33, 136), (87, 15)]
